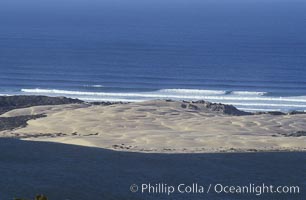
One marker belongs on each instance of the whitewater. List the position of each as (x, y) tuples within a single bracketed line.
[(244, 100)]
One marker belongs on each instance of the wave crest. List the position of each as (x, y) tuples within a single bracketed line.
[(192, 91), (94, 86), (248, 93), (242, 99)]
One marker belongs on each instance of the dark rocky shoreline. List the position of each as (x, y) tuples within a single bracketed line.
[(8, 103), (10, 123)]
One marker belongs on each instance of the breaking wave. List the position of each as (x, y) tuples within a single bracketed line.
[(248, 93), (192, 91), (94, 86), (245, 100)]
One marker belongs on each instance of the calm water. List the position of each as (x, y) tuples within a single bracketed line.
[(66, 172), (251, 54)]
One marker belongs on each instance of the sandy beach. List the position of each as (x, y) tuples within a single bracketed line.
[(160, 126)]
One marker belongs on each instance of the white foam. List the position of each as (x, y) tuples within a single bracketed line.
[(242, 99), (94, 86), (157, 95), (164, 94), (248, 93), (193, 91), (69, 92)]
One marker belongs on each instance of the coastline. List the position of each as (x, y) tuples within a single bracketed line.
[(251, 101), (159, 126), (153, 100)]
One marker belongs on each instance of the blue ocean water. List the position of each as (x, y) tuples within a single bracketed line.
[(251, 54)]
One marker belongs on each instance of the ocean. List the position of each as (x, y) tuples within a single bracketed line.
[(251, 54)]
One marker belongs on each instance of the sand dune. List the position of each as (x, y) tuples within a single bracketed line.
[(160, 126)]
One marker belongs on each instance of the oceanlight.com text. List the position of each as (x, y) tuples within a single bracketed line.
[(195, 188)]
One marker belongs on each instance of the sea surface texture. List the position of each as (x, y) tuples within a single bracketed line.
[(251, 54)]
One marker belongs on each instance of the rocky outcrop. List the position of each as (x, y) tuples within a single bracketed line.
[(106, 103), (297, 113), (8, 103), (294, 134), (213, 107), (276, 113)]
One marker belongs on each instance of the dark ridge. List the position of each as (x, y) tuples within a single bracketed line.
[(219, 108), (105, 103), (281, 113), (8, 103), (276, 113), (294, 134), (297, 113), (10, 123)]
